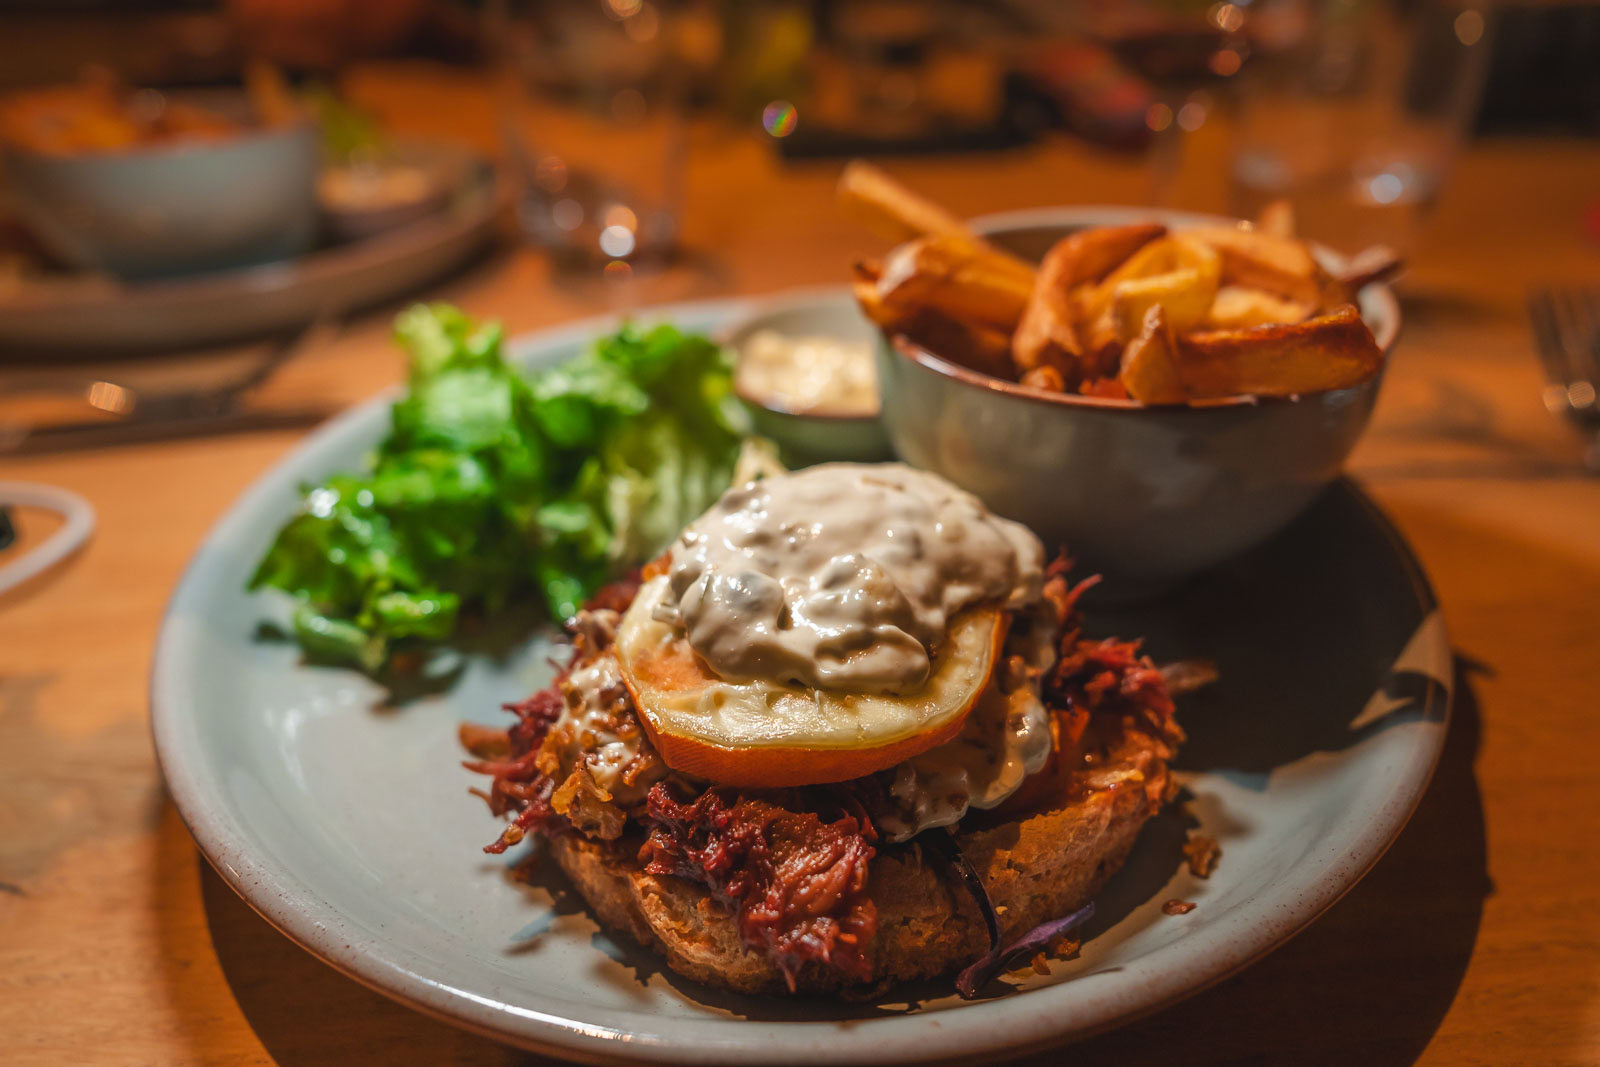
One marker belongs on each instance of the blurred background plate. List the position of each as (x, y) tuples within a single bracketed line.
[(83, 312)]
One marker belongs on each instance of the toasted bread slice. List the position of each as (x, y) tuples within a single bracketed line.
[(1036, 868)]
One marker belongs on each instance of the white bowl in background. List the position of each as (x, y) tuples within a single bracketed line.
[(169, 209)]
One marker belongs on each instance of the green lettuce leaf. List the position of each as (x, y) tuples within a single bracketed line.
[(491, 488)]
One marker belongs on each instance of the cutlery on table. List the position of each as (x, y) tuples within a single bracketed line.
[(93, 411)]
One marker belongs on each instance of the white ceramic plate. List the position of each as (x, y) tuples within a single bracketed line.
[(349, 827), (86, 313)]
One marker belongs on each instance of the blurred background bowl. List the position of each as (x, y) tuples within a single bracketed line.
[(1146, 496), (178, 208)]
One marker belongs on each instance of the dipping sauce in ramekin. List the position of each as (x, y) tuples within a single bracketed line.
[(812, 375)]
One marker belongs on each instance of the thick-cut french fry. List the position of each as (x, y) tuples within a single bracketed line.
[(1184, 289), (865, 287), (1235, 307), (1047, 334), (1281, 266), (1096, 253), (1047, 379), (1332, 351), (1277, 219), (1283, 255), (962, 281), (1160, 257), (1102, 344), (274, 103), (1157, 257), (887, 206), (972, 345), (872, 305), (892, 209), (1183, 293), (1149, 364)]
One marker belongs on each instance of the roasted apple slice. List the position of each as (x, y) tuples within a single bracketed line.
[(761, 733)]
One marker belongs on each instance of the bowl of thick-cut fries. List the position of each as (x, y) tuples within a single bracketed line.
[(1157, 391)]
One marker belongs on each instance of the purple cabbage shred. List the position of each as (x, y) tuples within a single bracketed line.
[(996, 962)]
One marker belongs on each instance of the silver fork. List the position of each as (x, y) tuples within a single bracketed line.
[(1566, 327)]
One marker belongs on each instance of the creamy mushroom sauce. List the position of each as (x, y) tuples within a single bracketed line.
[(842, 576), (1005, 739)]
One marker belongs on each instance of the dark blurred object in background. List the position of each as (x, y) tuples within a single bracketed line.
[(321, 35), (174, 42), (1087, 92), (906, 74), (834, 79), (1544, 75), (170, 43)]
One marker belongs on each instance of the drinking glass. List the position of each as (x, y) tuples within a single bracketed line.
[(1353, 111), (591, 95)]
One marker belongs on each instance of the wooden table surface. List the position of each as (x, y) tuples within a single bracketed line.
[(1476, 939)]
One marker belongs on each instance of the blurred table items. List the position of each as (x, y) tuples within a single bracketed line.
[(144, 183), (77, 520), (1543, 77), (369, 182), (1566, 331), (322, 35), (392, 222), (95, 407), (591, 110), (1186, 52), (1088, 92), (880, 77), (1353, 110)]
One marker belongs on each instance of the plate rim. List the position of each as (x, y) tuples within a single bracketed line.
[(291, 904)]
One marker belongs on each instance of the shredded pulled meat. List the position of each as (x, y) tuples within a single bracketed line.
[(1202, 852), (618, 595), (1100, 692), (792, 864), (519, 785), (527, 782), (797, 880), (1099, 675)]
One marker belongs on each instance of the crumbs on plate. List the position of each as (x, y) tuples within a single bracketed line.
[(1202, 852)]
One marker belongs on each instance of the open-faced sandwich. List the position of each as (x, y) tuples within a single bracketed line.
[(846, 731)]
